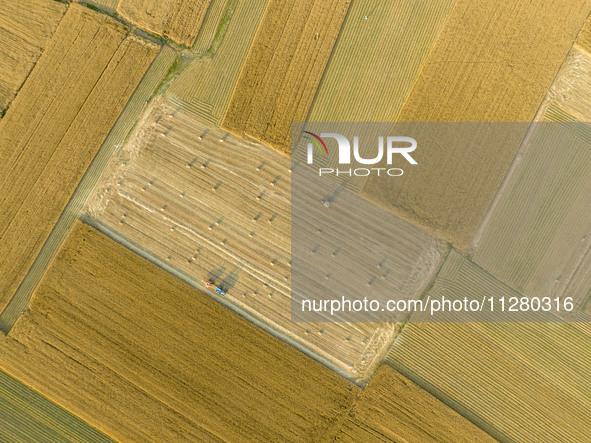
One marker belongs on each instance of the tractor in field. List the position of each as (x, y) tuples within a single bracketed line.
[(210, 284)]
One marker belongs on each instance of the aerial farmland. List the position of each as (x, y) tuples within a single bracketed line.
[(25, 30), (40, 168), (300, 221)]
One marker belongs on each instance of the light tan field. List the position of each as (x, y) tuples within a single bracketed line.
[(282, 71), (55, 126), (178, 19), (521, 381), (537, 235), (142, 356), (205, 86), (377, 59), (210, 205), (393, 408), (494, 61), (25, 29), (571, 89)]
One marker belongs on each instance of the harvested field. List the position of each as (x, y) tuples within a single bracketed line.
[(205, 86), (282, 71), (25, 29), (520, 381), (393, 408), (570, 91), (209, 205), (216, 19), (537, 235), (128, 118), (485, 66), (526, 381), (178, 19), (27, 416), (377, 59), (53, 129), (142, 356)]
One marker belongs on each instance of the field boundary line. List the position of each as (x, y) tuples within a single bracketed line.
[(19, 302), (330, 57), (517, 158), (403, 324), (523, 146), (271, 329), (450, 402)]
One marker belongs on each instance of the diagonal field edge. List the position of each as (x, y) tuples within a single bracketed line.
[(152, 77), (270, 329)]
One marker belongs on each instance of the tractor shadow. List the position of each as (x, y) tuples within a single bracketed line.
[(216, 274), (227, 282)]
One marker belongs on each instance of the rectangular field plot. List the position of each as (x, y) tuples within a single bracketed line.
[(343, 246), (25, 29), (584, 37), (55, 127), (142, 356), (283, 68), (178, 19), (109, 6), (377, 59), (393, 408), (518, 381), (211, 206), (537, 236), (473, 75), (125, 123), (26, 415), (205, 86)]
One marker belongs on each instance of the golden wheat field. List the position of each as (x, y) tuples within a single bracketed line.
[(179, 19), (473, 75), (117, 135), (279, 78), (50, 134), (25, 29), (137, 353), (584, 37)]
